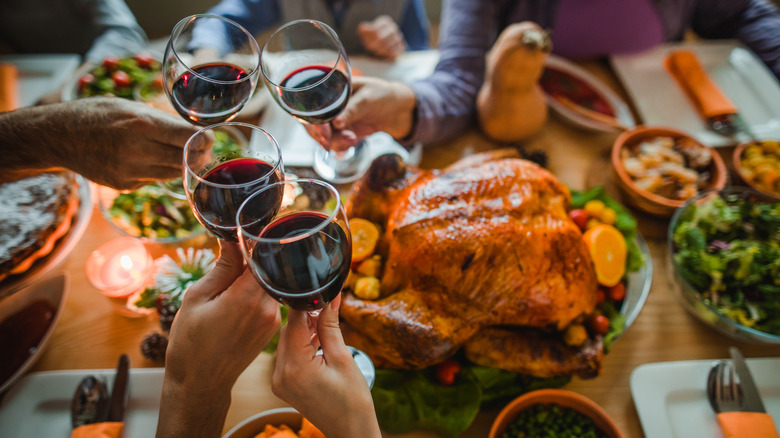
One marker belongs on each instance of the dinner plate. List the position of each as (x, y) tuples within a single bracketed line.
[(40, 75), (53, 291), (738, 72), (671, 397), (62, 248), (39, 405), (621, 110)]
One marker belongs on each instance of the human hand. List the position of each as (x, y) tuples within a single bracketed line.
[(117, 142), (224, 322), (375, 105), (334, 396), (382, 37)]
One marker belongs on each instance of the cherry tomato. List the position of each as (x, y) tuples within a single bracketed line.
[(447, 371), (121, 79), (600, 296), (85, 80), (599, 324), (144, 61), (157, 82), (617, 292), (111, 63), (579, 217)]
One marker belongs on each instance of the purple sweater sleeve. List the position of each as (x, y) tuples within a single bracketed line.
[(446, 99), (756, 23)]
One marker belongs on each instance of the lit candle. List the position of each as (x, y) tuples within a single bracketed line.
[(120, 267)]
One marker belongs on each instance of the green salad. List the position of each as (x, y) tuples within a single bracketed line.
[(728, 250), (121, 76), (151, 212)]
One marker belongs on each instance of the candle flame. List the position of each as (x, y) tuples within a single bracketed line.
[(126, 262)]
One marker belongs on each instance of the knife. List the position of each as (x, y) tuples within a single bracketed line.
[(119, 393), (752, 399)]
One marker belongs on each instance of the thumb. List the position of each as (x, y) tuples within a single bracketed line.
[(329, 330)]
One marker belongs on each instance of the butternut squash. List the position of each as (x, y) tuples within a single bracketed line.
[(511, 105)]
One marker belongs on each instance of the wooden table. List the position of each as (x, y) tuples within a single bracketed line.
[(91, 334)]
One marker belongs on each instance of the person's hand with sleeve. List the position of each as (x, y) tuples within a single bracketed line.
[(115, 142), (224, 322), (382, 38), (375, 105), (328, 389)]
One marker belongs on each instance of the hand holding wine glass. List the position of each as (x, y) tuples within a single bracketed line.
[(307, 71), (220, 176), (210, 68)]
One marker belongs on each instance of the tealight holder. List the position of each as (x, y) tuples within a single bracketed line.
[(120, 267)]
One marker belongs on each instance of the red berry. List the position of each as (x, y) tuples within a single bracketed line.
[(599, 324), (447, 371), (617, 292), (121, 79), (579, 217), (111, 63), (85, 80), (600, 296)]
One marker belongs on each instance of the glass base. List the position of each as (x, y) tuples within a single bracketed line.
[(342, 167)]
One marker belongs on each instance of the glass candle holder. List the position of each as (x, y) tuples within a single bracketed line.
[(120, 267)]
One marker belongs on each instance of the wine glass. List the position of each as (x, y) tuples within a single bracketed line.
[(222, 168), (307, 71), (210, 68), (302, 257)]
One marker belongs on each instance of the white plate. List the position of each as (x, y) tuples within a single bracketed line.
[(622, 112), (737, 71), (671, 397), (51, 290), (39, 405), (62, 248), (39, 75)]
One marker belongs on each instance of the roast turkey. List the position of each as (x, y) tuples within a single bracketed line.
[(481, 256)]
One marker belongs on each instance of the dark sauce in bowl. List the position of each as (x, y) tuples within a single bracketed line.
[(21, 334)]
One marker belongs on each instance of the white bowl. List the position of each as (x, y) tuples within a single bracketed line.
[(622, 112), (255, 424), (52, 290)]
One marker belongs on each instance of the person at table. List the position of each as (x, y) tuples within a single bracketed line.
[(443, 105), (384, 29), (93, 29), (224, 322), (115, 142)]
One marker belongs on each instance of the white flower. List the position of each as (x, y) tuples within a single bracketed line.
[(173, 278)]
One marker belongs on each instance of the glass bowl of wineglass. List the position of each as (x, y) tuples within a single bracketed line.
[(306, 69), (222, 167), (302, 254), (210, 68)]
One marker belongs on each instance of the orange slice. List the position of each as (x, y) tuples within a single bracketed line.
[(364, 237), (607, 248)]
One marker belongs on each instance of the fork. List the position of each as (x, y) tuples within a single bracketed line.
[(724, 393)]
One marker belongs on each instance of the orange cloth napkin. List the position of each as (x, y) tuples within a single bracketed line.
[(747, 425), (684, 66), (110, 429), (9, 82)]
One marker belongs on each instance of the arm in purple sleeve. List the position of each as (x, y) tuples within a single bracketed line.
[(446, 99), (756, 23), (120, 33), (253, 15)]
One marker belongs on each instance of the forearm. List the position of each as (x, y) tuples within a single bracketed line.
[(28, 139), (189, 413)]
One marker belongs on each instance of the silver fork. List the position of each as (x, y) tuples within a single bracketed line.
[(723, 391)]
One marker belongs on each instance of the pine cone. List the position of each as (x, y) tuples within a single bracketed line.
[(167, 310), (154, 346)]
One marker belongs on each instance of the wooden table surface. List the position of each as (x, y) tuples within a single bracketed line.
[(92, 334)]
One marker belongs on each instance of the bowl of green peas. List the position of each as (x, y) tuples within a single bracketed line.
[(554, 412)]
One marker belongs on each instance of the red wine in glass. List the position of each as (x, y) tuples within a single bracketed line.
[(216, 199), (215, 99), (308, 262), (315, 94)]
